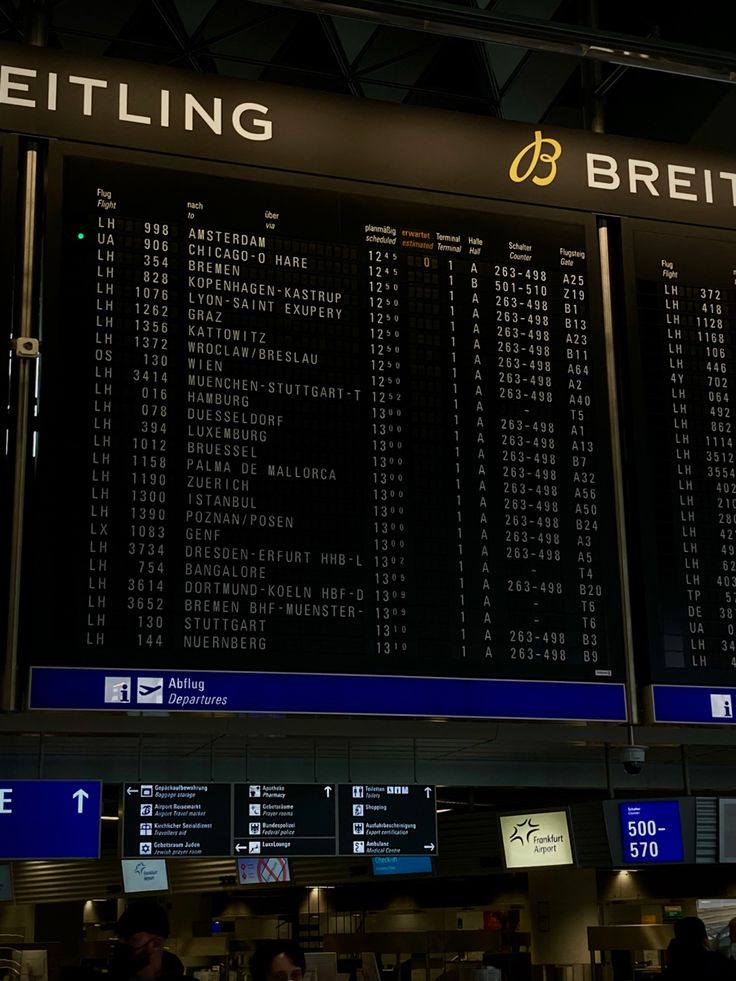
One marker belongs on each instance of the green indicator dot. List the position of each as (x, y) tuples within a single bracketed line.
[(80, 235)]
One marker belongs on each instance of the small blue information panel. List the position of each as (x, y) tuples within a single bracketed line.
[(651, 831), (325, 694), (401, 864), (691, 703), (50, 818)]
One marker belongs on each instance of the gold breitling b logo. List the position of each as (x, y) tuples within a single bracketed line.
[(533, 151)]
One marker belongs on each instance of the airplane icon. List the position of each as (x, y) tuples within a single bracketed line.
[(150, 690)]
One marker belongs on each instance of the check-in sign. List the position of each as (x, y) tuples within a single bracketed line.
[(50, 818)]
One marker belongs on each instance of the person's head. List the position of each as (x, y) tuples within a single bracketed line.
[(141, 930), (690, 932), (277, 960)]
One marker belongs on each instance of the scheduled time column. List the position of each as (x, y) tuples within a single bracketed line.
[(388, 435)]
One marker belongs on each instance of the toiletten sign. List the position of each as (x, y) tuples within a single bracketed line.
[(535, 840)]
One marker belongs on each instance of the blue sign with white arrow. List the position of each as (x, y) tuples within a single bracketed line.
[(50, 818)]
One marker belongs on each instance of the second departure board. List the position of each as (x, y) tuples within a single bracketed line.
[(682, 310), (292, 428)]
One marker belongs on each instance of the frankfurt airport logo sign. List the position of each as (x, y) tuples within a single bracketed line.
[(534, 840)]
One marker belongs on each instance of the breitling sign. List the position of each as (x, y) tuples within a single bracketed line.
[(47, 93), (538, 839)]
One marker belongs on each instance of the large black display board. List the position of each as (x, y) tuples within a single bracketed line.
[(681, 309), (185, 820), (294, 428)]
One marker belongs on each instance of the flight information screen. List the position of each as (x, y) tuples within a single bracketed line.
[(292, 428), (651, 832), (682, 310)]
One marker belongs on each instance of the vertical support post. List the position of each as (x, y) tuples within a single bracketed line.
[(686, 785), (618, 483), (35, 15), (592, 77), (609, 772), (24, 373)]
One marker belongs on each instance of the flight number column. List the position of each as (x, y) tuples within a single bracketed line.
[(714, 317), (387, 424), (711, 317), (151, 311)]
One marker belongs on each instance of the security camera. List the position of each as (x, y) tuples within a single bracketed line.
[(633, 758)]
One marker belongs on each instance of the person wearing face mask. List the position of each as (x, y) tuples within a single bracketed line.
[(139, 952)]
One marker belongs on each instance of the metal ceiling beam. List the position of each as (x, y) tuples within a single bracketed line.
[(502, 731), (535, 35), (333, 38), (170, 16)]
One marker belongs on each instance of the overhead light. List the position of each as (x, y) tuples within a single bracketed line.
[(443, 810), (109, 817)]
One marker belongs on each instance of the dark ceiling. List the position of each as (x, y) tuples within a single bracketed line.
[(457, 56)]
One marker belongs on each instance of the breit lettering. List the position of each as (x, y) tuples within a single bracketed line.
[(675, 181)]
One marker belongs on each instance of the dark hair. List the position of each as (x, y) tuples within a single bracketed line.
[(690, 930), (143, 916), (260, 962)]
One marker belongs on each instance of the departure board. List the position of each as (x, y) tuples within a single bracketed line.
[(682, 311), (294, 428)]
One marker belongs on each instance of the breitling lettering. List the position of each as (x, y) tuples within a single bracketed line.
[(30, 88)]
